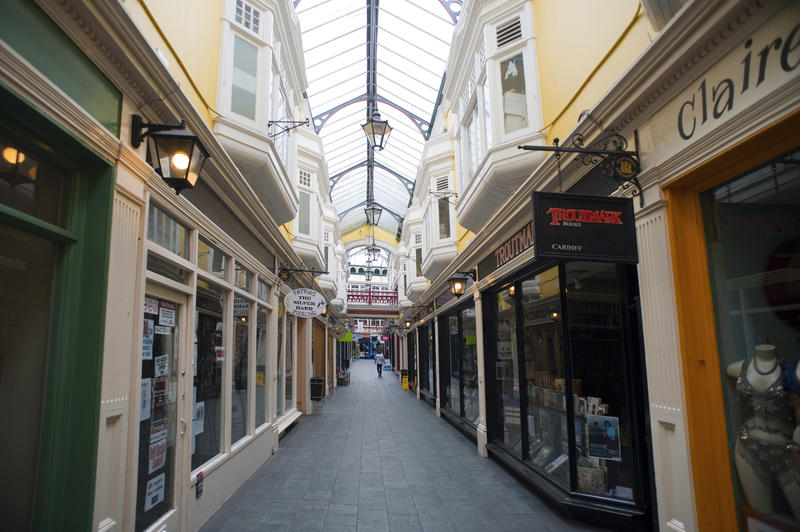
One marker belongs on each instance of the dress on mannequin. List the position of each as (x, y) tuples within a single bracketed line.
[(764, 447)]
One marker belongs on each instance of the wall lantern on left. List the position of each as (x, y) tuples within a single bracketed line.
[(458, 283), (175, 154)]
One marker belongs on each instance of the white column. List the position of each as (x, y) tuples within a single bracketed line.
[(438, 371), (482, 433)]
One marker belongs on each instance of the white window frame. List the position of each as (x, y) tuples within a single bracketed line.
[(230, 31)]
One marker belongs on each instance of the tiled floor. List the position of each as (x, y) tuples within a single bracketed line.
[(373, 458)]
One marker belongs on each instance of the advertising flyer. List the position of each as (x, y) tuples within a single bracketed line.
[(166, 314), (147, 340), (604, 437), (162, 364), (147, 393), (158, 451), (155, 491)]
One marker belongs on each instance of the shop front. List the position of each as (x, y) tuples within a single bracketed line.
[(427, 364), (411, 339), (458, 362), (730, 168), (565, 373)]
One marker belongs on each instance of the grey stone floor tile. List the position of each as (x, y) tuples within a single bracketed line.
[(372, 458)]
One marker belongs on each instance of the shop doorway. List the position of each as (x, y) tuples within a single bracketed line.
[(162, 411)]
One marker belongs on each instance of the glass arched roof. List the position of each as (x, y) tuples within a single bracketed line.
[(412, 44)]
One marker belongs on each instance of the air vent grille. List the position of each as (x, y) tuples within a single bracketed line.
[(509, 32)]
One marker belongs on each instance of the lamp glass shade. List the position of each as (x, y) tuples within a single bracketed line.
[(458, 285), (377, 132), (373, 214), (178, 156)]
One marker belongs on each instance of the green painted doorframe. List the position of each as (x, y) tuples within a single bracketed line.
[(64, 498)]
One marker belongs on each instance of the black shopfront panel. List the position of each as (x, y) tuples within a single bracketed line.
[(566, 388), (412, 360), (458, 363)]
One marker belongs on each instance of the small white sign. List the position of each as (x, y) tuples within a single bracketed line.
[(147, 393), (198, 423), (150, 305), (163, 330), (162, 365), (166, 315), (304, 303), (155, 491)]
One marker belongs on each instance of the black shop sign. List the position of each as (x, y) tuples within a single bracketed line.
[(577, 227)]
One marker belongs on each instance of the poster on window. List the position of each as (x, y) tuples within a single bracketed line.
[(154, 493), (166, 314), (162, 366), (158, 451), (145, 401), (147, 340), (198, 422), (604, 437)]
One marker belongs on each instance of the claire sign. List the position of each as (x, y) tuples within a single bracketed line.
[(304, 303)]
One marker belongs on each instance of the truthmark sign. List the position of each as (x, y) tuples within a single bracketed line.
[(577, 227), (304, 303)]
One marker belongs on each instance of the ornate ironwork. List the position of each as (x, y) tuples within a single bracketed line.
[(285, 126), (610, 151)]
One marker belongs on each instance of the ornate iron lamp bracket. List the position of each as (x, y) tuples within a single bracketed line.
[(284, 126), (610, 151)]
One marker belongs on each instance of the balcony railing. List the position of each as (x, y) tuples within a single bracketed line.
[(369, 297)]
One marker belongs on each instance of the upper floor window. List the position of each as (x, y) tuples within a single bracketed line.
[(444, 218), (304, 214), (512, 82), (305, 178), (167, 232), (245, 78), (248, 16), (418, 239), (418, 257)]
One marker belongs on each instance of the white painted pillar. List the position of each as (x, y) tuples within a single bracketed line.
[(482, 432)]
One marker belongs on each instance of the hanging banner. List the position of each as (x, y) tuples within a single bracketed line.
[(577, 227), (304, 303)]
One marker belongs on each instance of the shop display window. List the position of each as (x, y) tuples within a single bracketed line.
[(167, 232), (209, 363), (210, 259), (431, 340), (453, 379), (545, 375), (158, 407), (426, 382), (289, 362), (241, 343), (167, 268), (469, 365), (753, 238), (507, 370), (602, 420), (262, 377), (280, 359)]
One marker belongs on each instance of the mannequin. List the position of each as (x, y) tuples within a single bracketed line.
[(764, 450)]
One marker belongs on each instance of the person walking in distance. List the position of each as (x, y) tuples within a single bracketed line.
[(379, 362)]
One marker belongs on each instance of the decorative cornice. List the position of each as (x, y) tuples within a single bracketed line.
[(104, 30)]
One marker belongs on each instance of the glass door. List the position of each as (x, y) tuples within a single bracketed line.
[(161, 419)]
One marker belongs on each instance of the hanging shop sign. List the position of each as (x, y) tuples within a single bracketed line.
[(304, 303), (511, 248), (577, 227)]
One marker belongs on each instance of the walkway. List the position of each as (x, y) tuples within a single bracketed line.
[(373, 458)]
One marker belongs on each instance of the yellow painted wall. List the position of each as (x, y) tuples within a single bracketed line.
[(583, 47), (363, 232), (187, 32)]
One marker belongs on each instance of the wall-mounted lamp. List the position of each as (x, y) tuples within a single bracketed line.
[(368, 275), (176, 155), (409, 323), (554, 314), (458, 283), (377, 131)]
